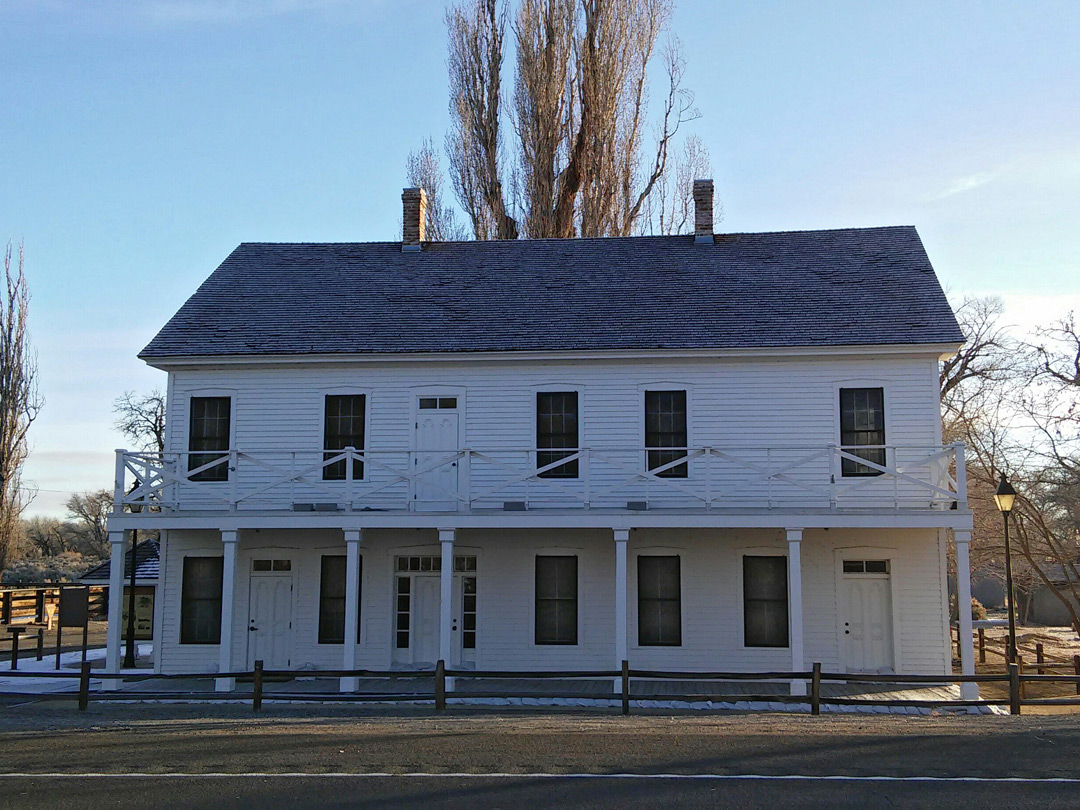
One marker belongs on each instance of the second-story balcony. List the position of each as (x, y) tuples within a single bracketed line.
[(475, 480)]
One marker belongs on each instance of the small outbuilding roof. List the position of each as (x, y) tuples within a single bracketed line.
[(857, 286), (146, 565)]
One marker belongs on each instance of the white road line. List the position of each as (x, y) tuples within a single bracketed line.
[(726, 777)]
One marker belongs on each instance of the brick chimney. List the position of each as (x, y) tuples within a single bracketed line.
[(414, 210), (703, 212)]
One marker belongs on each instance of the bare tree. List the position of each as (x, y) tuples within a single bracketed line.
[(47, 536), (670, 208), (141, 419), (90, 512), (423, 171), (20, 401), (579, 163)]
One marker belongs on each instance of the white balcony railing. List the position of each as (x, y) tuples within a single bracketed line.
[(706, 478)]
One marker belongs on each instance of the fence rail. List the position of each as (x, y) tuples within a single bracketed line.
[(439, 692)]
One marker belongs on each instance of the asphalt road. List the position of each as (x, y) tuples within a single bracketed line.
[(300, 757)]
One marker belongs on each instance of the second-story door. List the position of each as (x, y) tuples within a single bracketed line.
[(434, 463)]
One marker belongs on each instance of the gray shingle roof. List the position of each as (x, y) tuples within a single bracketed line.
[(146, 564), (784, 289)]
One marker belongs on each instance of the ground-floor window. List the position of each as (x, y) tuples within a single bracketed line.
[(332, 587), (765, 601), (659, 602), (200, 600), (556, 600)]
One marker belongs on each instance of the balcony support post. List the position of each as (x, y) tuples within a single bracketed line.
[(968, 691), (622, 537), (228, 610), (116, 607), (352, 606), (794, 541), (118, 483), (446, 587)]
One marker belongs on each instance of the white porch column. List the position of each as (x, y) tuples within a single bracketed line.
[(228, 604), (968, 691), (622, 536), (446, 592), (794, 542), (116, 607), (352, 604)]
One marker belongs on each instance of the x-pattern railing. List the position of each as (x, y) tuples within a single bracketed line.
[(707, 477)]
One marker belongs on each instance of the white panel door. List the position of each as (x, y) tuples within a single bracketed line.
[(436, 483), (868, 635), (425, 620), (270, 621)]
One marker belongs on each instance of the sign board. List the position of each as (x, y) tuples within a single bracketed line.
[(74, 606), (144, 613)]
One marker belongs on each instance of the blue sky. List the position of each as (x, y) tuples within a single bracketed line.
[(141, 141)]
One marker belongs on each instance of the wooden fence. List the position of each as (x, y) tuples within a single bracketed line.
[(27, 603), (439, 693), (1036, 656)]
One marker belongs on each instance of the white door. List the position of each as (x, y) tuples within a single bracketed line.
[(425, 620), (435, 486), (868, 634), (463, 628), (270, 620)]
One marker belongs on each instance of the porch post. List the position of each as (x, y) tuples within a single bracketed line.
[(794, 541), (228, 600), (116, 607), (446, 593), (352, 604), (968, 691), (621, 538)]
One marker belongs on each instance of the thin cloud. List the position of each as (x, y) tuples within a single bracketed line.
[(964, 184)]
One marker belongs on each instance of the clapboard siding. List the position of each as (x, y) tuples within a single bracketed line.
[(277, 412), (711, 596)]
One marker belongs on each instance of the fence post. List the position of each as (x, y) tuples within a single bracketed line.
[(625, 687), (1020, 673), (982, 646), (39, 607), (440, 685), (1014, 688), (959, 651), (256, 687), (1076, 671), (40, 643), (1039, 657), (84, 686), (5, 607), (815, 690)]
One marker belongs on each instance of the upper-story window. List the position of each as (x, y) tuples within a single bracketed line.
[(665, 426), (208, 437), (557, 427), (862, 425), (343, 427)]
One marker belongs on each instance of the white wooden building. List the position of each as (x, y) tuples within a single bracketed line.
[(695, 453)]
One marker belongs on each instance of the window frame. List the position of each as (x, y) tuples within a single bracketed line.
[(320, 634), (680, 472), (658, 553), (844, 469), (189, 422), (185, 637), (556, 554), (358, 464), (537, 392), (764, 552)]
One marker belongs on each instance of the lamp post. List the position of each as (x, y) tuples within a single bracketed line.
[(129, 652), (1004, 498)]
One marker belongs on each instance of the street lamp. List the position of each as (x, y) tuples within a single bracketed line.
[(1004, 498)]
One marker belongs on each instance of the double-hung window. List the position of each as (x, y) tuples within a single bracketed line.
[(659, 602), (200, 600), (862, 429), (765, 601), (343, 426), (208, 437), (556, 429), (665, 426), (556, 600), (332, 586)]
